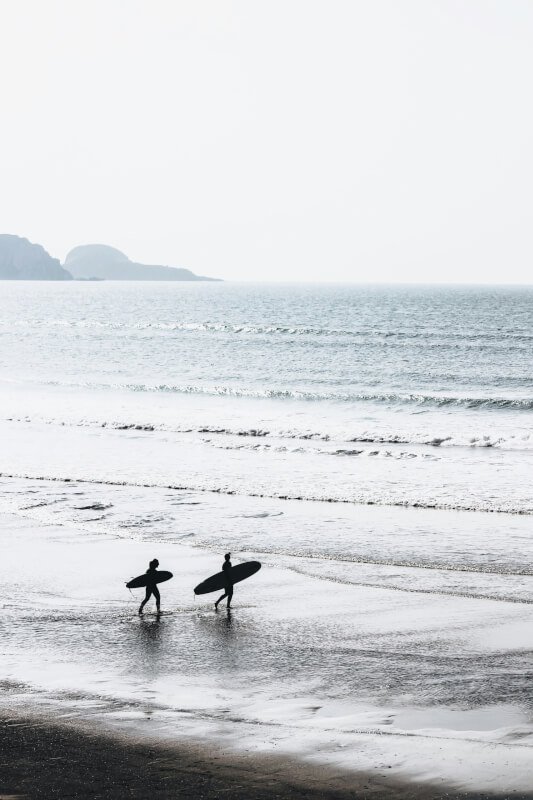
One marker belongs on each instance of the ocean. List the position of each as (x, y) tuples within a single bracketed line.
[(372, 446), (415, 396)]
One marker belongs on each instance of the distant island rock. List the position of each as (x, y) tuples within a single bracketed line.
[(104, 262), (20, 260)]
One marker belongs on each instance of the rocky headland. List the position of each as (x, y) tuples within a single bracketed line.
[(23, 261), (108, 263)]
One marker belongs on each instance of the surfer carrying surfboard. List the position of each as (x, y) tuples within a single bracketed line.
[(228, 585), (151, 586)]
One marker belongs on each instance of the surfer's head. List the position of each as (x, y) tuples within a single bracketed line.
[(227, 556), (154, 563)]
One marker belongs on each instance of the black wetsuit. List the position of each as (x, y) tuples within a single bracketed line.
[(151, 589), (226, 567)]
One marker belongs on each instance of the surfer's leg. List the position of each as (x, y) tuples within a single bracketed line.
[(146, 598), (219, 599), (229, 594), (157, 596)]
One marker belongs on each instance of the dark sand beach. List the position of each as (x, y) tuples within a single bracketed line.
[(41, 759)]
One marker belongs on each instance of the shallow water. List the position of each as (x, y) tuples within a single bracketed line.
[(401, 665)]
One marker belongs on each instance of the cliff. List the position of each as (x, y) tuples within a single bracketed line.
[(102, 261), (22, 260)]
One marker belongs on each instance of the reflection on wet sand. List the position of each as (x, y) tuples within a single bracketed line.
[(147, 642)]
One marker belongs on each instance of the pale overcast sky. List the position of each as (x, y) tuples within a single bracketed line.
[(274, 139)]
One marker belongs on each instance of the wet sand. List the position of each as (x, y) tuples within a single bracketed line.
[(310, 682), (44, 760)]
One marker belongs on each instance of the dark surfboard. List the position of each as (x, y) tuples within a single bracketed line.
[(236, 574), (143, 580)]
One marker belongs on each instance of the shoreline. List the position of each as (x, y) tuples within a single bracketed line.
[(357, 503), (337, 689), (47, 759)]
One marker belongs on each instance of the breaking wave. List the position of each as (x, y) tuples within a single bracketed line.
[(414, 399), (361, 499), (436, 401), (443, 336), (225, 435)]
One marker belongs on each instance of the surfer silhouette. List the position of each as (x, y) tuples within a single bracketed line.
[(151, 586), (228, 585)]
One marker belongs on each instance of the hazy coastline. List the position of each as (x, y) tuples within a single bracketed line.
[(20, 259)]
